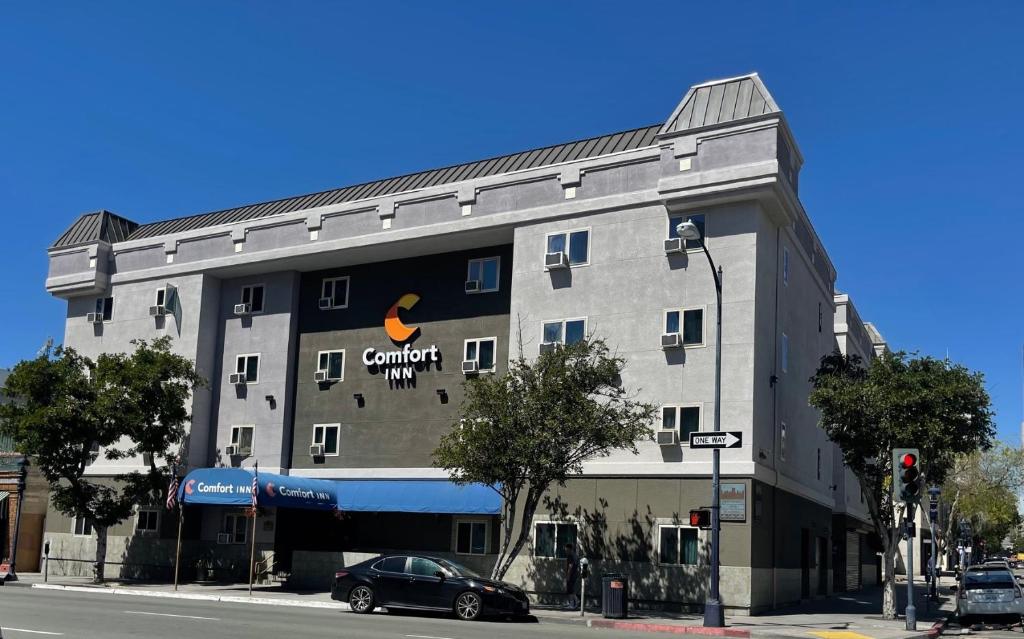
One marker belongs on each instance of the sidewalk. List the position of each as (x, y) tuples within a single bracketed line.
[(841, 616)]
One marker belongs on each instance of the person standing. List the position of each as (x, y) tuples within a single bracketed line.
[(572, 576)]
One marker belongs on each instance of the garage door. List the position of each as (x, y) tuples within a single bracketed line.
[(852, 560)]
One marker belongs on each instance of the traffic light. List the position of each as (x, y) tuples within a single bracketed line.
[(700, 518), (906, 471)]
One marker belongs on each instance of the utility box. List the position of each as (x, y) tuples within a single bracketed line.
[(615, 596)]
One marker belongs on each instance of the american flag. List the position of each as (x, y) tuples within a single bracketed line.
[(172, 490), (255, 485)]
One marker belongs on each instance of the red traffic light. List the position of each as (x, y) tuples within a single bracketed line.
[(908, 460), (700, 518)]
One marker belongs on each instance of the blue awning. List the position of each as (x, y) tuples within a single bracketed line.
[(416, 496), (233, 487)]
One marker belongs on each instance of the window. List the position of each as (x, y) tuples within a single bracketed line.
[(564, 331), (685, 418), (785, 266), (675, 220), (105, 307), (333, 362), (481, 351), (148, 521), (82, 526), (485, 271), (391, 564), (550, 539), (782, 441), (236, 526), (161, 297), (250, 366), (423, 567), (677, 545), (471, 537), (576, 244), (327, 435), (253, 295), (785, 353), (335, 291), (241, 439), (691, 321)]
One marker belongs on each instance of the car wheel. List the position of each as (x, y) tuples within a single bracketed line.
[(361, 600), (468, 606)]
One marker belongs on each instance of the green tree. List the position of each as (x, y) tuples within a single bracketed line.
[(69, 407), (535, 425), (981, 488), (900, 401)]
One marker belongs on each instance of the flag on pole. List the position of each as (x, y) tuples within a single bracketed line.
[(255, 485), (172, 490)]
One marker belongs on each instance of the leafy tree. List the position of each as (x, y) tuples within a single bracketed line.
[(982, 489), (900, 401), (535, 425), (69, 407)]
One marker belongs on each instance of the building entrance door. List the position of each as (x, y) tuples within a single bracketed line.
[(822, 564), (805, 560)]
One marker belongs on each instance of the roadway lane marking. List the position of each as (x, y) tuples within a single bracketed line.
[(425, 637), (164, 614), (34, 632)]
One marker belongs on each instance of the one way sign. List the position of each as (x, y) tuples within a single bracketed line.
[(720, 439)]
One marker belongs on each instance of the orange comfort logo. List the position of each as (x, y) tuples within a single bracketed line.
[(394, 326)]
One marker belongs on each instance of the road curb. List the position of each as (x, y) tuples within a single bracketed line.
[(265, 601), (639, 626)]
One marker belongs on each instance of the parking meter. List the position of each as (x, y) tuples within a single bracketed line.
[(584, 570), (46, 560)]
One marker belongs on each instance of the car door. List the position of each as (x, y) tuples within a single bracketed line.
[(390, 580), (426, 589)]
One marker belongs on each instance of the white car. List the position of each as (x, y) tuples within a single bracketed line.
[(989, 592)]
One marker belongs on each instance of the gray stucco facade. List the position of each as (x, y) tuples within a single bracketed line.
[(726, 153)]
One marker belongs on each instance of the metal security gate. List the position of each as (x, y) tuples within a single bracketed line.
[(852, 560)]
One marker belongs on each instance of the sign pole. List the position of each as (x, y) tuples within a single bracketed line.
[(177, 553), (252, 551), (714, 615), (911, 609)]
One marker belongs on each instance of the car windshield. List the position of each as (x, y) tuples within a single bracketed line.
[(458, 569), (988, 579)]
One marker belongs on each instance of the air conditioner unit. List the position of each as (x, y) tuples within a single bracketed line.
[(674, 245), (472, 286), (236, 378), (547, 347), (320, 376), (243, 309), (316, 450), (671, 340), (667, 437), (556, 260), (157, 311), (94, 318), (231, 451), (326, 302), (470, 366), (223, 538)]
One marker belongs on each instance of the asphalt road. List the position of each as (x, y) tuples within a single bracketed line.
[(27, 613)]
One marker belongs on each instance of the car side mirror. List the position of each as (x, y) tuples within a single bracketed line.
[(440, 574)]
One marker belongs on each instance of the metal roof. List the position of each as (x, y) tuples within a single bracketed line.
[(85, 230), (92, 227), (721, 101)]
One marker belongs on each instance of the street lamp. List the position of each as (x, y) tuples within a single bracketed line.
[(714, 616)]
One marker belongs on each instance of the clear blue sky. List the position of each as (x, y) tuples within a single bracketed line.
[(908, 117)]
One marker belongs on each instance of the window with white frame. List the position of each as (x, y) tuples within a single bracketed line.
[(685, 418), (785, 266), (236, 526), (689, 322), (333, 362), (249, 365), (785, 353), (575, 244), (253, 296), (160, 299), (327, 435), (481, 351), (673, 225), (471, 537), (334, 292), (551, 538), (484, 271), (241, 439), (564, 331), (677, 545), (148, 521), (82, 526), (105, 307)]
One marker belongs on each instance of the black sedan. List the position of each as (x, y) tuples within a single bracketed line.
[(425, 583)]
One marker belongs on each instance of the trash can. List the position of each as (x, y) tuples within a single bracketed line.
[(614, 596)]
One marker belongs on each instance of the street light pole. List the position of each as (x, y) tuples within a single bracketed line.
[(714, 615)]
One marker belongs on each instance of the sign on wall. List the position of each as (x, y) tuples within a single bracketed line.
[(732, 502), (401, 364)]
